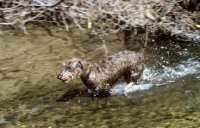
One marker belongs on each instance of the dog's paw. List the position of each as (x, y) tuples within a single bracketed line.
[(128, 86)]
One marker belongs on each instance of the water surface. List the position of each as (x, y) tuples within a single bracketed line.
[(168, 94)]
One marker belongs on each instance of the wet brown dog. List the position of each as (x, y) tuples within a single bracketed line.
[(101, 76)]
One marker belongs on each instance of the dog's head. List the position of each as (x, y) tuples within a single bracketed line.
[(73, 69)]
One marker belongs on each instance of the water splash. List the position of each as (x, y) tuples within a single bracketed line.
[(160, 76)]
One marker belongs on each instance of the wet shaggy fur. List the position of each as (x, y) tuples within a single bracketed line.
[(101, 76)]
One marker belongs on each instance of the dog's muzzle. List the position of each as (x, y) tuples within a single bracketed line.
[(60, 75), (66, 76)]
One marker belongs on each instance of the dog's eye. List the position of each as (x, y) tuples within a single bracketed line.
[(69, 68)]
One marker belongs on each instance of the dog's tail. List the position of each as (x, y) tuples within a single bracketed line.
[(145, 39)]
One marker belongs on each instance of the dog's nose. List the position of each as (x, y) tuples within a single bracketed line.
[(59, 76)]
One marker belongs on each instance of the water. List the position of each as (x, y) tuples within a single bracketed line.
[(167, 94)]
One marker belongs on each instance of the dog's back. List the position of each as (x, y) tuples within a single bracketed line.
[(106, 72), (121, 60)]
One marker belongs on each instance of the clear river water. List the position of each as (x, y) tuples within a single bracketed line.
[(167, 94)]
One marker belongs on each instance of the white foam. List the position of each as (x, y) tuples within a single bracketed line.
[(119, 89), (157, 77), (167, 73)]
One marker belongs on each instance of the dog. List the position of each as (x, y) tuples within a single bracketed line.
[(101, 76)]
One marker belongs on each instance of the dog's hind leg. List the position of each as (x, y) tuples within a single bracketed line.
[(131, 78), (130, 82), (129, 85)]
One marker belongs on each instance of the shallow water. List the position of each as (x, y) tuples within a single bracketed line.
[(167, 95)]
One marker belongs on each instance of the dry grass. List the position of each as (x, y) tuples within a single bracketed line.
[(107, 16)]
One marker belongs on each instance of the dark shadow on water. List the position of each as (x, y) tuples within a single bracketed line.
[(80, 93)]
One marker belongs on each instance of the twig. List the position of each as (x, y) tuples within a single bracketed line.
[(145, 38), (42, 4), (75, 21), (103, 41), (24, 21), (64, 21)]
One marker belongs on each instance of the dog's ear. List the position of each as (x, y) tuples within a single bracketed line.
[(86, 69)]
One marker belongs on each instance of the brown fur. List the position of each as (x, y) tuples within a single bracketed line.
[(102, 75)]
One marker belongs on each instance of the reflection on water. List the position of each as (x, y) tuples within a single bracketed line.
[(167, 95)]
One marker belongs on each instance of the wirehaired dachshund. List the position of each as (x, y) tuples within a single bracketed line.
[(102, 75)]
